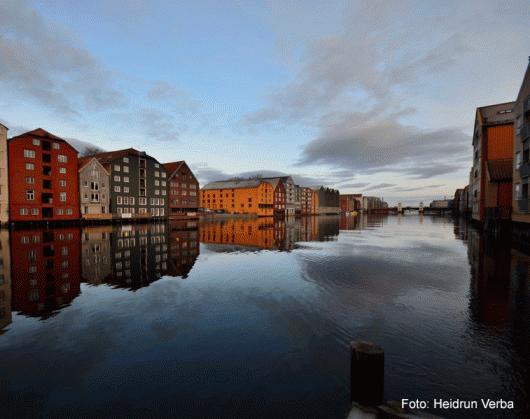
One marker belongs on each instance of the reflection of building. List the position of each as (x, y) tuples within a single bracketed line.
[(4, 184), (5, 280), (521, 145), (249, 196), (138, 254), (93, 189), (183, 247), (491, 175), (257, 232), (95, 254), (183, 188), (43, 183), (351, 222), (46, 266)]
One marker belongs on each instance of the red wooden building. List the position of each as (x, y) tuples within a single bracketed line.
[(183, 188), (43, 182)]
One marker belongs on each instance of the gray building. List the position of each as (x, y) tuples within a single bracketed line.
[(94, 196), (138, 184)]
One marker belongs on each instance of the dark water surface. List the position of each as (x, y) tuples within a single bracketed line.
[(253, 318)]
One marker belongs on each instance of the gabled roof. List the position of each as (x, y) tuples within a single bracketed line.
[(173, 166), (234, 184), (84, 161), (524, 90), (500, 170), (41, 133), (110, 156)]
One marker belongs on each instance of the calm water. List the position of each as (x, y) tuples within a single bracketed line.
[(252, 318)]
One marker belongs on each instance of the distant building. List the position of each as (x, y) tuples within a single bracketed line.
[(491, 183), (183, 189), (290, 193), (94, 192), (350, 202), (521, 145), (297, 199), (328, 200), (370, 203), (43, 182), (446, 204), (138, 184), (279, 195), (248, 196), (4, 179), (309, 204)]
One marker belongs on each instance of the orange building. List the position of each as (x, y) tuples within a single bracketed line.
[(491, 175), (249, 196), (308, 201)]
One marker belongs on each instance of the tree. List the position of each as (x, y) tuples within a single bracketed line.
[(91, 151)]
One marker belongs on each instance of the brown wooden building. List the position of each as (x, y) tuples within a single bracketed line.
[(182, 189)]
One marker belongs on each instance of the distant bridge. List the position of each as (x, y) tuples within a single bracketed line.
[(424, 210)]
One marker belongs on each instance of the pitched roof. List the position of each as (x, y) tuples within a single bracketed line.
[(109, 156), (84, 161), (500, 113), (2, 125), (233, 184), (171, 167), (39, 132), (524, 90), (500, 169)]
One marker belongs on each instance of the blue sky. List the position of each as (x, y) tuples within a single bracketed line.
[(367, 96)]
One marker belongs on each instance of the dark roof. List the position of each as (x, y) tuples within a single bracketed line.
[(500, 170), (234, 184), (501, 113), (41, 133), (173, 166), (110, 156), (524, 90)]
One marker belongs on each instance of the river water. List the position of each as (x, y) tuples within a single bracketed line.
[(253, 317)]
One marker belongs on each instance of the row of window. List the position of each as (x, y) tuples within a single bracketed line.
[(30, 154), (46, 170), (183, 193), (184, 185), (36, 211)]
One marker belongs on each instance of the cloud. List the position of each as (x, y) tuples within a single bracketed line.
[(379, 186), (354, 185), (178, 100)]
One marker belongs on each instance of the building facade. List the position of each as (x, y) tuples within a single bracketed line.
[(4, 179), (491, 174), (250, 196), (521, 146), (350, 202), (182, 189), (308, 201), (94, 192), (328, 200), (290, 193), (279, 196), (138, 184), (43, 182)]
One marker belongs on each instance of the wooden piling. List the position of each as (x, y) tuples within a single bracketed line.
[(367, 373)]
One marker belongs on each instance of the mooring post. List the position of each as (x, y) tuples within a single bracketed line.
[(367, 373)]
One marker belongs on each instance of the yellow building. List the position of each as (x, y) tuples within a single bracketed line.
[(249, 196)]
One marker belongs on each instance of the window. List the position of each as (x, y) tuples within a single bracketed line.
[(30, 154), (126, 179), (30, 195), (36, 141), (157, 173), (126, 169), (62, 196), (117, 189), (518, 159), (69, 211), (131, 200), (30, 180), (117, 167), (157, 165), (126, 159), (119, 200), (163, 174), (126, 189), (142, 201), (126, 200), (62, 158), (34, 211), (157, 183), (517, 191), (56, 146), (94, 186), (60, 211), (30, 166), (117, 178), (62, 183), (157, 192), (163, 183), (62, 170), (24, 211), (164, 192)]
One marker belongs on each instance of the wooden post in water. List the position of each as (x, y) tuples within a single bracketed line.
[(367, 373)]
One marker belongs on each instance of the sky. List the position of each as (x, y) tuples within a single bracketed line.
[(373, 97)]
